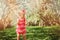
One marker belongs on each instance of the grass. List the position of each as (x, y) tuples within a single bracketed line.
[(33, 33)]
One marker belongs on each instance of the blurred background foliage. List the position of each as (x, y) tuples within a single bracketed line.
[(38, 12)]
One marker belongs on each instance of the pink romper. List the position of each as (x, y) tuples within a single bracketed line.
[(21, 27)]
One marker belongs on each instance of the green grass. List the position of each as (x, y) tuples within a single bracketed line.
[(33, 33)]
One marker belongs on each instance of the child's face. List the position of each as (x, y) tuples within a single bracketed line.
[(21, 14)]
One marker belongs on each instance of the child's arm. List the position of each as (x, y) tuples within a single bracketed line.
[(25, 20), (17, 23)]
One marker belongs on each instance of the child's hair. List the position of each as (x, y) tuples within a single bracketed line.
[(23, 11)]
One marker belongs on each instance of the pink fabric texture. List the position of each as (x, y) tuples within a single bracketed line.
[(21, 27)]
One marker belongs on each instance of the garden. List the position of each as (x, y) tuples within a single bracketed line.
[(42, 19)]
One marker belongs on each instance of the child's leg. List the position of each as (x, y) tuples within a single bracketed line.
[(24, 36), (18, 36)]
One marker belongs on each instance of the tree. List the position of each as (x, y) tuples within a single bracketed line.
[(48, 12), (6, 17)]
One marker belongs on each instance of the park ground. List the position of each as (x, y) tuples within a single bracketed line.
[(33, 33)]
